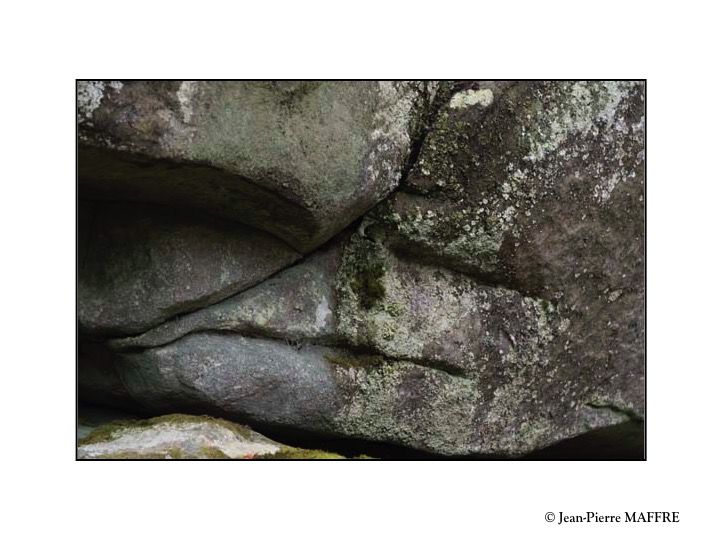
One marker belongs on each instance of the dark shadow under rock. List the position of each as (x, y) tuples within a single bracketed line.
[(142, 264)]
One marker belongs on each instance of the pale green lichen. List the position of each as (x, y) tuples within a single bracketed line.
[(463, 233), (439, 418), (185, 96), (477, 189), (582, 107), (90, 95), (169, 453)]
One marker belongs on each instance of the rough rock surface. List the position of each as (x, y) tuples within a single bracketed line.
[(338, 392), (531, 183), (539, 187), (423, 313), (299, 159), (492, 305)]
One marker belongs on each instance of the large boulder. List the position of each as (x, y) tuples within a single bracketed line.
[(492, 306), (298, 159), (419, 356)]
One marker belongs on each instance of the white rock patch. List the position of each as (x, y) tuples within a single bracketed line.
[(190, 437), (89, 96), (468, 98), (185, 94), (322, 313)]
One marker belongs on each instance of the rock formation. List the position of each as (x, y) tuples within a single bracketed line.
[(182, 436), (455, 268)]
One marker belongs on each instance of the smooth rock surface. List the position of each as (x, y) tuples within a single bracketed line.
[(140, 264)]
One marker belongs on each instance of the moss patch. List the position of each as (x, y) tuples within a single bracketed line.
[(367, 283), (363, 270)]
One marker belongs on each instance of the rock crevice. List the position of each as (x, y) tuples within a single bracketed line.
[(455, 268)]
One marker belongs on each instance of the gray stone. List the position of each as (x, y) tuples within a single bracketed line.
[(299, 159), (262, 381), (506, 411), (322, 390), (539, 187), (493, 305), (141, 265), (296, 304), (433, 315), (518, 168)]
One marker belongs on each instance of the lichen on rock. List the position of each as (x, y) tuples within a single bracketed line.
[(454, 268), (183, 436), (175, 436)]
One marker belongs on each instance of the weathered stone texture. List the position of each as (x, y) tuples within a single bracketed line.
[(492, 304), (177, 436)]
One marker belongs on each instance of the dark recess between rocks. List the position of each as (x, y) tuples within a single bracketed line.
[(403, 270)]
